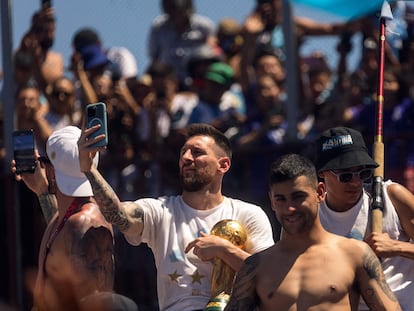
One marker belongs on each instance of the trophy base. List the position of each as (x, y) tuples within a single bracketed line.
[(217, 303)]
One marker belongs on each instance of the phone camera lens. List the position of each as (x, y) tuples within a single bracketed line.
[(91, 112)]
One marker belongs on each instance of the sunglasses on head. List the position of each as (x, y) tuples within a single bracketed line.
[(345, 177)]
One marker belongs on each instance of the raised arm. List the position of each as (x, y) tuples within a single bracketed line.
[(244, 296), (38, 183), (371, 280), (126, 216)]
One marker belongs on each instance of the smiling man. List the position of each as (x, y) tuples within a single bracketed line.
[(308, 268)]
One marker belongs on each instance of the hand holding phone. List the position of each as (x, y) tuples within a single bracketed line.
[(96, 114), (23, 150)]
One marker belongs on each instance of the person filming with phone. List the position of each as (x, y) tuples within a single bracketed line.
[(177, 228), (76, 263)]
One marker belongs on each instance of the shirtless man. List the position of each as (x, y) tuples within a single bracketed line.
[(45, 65), (76, 252), (309, 268)]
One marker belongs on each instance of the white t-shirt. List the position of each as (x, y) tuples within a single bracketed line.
[(356, 223), (184, 280)]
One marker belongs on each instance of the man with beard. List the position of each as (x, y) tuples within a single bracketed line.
[(177, 228), (316, 270)]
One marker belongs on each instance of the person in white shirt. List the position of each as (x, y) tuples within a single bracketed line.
[(177, 228)]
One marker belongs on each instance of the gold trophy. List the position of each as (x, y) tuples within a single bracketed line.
[(223, 275)]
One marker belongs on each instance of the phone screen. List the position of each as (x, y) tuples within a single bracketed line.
[(23, 147)]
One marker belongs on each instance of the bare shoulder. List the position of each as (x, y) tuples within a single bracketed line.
[(354, 247), (88, 216), (89, 244), (400, 195)]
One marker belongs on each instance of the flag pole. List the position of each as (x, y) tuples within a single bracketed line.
[(377, 205)]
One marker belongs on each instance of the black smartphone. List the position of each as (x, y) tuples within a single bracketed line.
[(96, 114), (23, 149)]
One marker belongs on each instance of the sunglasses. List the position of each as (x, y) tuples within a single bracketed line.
[(44, 160), (345, 177), (57, 93)]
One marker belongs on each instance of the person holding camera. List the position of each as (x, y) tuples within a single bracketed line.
[(43, 64), (76, 253)]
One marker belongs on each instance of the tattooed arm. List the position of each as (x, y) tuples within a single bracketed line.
[(371, 280), (244, 296), (48, 205), (128, 217)]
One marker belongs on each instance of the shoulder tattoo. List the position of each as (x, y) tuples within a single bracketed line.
[(373, 268), (244, 296), (93, 253)]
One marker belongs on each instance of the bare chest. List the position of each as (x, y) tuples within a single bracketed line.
[(308, 281)]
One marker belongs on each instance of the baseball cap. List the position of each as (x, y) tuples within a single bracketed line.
[(62, 150), (93, 56), (220, 73), (341, 148)]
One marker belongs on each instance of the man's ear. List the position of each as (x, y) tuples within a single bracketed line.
[(224, 164), (321, 192)]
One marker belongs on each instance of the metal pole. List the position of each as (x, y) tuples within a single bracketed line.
[(377, 205), (13, 213), (292, 71)]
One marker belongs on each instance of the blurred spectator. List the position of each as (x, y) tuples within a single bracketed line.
[(398, 125), (176, 33), (320, 108), (35, 54), (262, 139), (264, 62), (90, 60), (62, 109), (230, 41), (264, 26), (29, 115), (199, 60), (217, 104)]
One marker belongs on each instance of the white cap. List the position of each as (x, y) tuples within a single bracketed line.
[(62, 150), (125, 60)]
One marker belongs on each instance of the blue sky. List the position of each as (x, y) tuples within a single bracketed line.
[(126, 22)]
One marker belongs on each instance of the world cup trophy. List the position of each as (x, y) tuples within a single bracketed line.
[(223, 275)]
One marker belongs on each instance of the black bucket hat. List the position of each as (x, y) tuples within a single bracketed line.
[(341, 148)]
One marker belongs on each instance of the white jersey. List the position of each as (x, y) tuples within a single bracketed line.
[(184, 281), (356, 223)]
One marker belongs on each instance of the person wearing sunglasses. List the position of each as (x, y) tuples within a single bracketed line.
[(346, 168)]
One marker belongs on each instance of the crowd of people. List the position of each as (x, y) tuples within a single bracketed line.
[(231, 76)]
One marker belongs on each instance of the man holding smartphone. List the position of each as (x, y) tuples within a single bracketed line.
[(177, 228), (76, 252)]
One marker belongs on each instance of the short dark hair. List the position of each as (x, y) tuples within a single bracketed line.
[(84, 37), (292, 166), (183, 5), (208, 130)]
